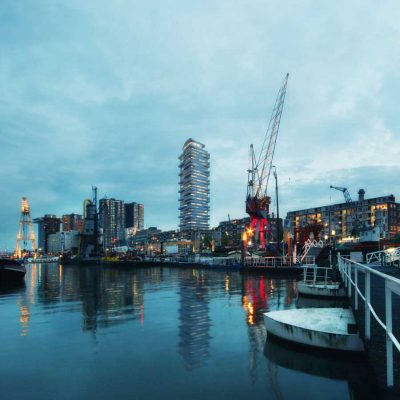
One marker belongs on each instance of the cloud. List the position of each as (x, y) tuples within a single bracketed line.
[(106, 93)]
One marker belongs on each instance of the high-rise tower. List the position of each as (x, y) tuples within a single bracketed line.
[(112, 221), (25, 230), (194, 183)]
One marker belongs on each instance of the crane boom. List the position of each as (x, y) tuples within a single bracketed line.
[(262, 167), (345, 192), (257, 201)]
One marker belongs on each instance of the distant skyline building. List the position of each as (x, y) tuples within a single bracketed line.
[(134, 216), (347, 219), (112, 221), (194, 174), (47, 225), (65, 241), (72, 222)]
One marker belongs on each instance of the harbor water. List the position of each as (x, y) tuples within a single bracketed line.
[(95, 332)]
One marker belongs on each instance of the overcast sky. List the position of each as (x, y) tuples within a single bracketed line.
[(107, 92)]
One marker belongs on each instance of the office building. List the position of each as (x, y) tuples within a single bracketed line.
[(340, 221), (66, 241), (112, 222), (194, 183), (134, 216), (46, 226), (72, 222)]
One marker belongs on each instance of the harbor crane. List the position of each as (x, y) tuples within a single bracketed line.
[(345, 192), (257, 199)]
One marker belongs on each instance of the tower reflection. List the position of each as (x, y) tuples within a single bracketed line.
[(194, 319)]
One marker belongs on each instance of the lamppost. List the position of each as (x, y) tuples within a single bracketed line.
[(278, 228), (246, 235)]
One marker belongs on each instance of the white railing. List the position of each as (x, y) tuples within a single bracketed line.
[(314, 274), (307, 260), (382, 257), (274, 261), (349, 272), (309, 244)]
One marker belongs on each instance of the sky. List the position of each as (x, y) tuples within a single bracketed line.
[(106, 93)]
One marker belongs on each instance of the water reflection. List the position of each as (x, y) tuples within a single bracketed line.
[(211, 324), (194, 328), (351, 368), (259, 295)]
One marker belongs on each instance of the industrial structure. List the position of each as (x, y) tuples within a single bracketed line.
[(341, 221), (194, 184), (88, 241), (257, 200), (25, 233)]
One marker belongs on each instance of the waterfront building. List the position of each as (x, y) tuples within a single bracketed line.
[(194, 174), (145, 236), (65, 241), (46, 226), (112, 222), (178, 247), (72, 222), (340, 221), (134, 216)]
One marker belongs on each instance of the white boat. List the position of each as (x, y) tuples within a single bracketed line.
[(44, 259), (328, 328), (321, 289)]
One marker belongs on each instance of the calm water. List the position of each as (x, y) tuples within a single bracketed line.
[(105, 333)]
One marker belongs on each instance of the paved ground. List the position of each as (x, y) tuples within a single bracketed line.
[(377, 345)]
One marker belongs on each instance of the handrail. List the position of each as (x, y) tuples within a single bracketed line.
[(388, 255), (273, 261), (349, 268), (314, 274)]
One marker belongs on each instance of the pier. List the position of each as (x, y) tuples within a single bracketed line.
[(376, 292)]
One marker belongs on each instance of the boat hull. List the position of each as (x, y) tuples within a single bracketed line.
[(326, 328), (12, 273), (321, 290)]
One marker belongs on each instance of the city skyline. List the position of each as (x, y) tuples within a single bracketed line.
[(111, 101)]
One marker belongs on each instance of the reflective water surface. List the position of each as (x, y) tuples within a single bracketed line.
[(159, 333)]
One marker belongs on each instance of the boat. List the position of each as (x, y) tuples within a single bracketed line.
[(11, 270), (327, 328), (321, 289), (43, 259)]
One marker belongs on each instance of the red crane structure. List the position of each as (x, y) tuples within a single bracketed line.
[(257, 200)]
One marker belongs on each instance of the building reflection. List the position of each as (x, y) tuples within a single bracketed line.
[(107, 297), (194, 319)]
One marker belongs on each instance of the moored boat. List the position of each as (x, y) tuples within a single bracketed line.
[(11, 270), (321, 289), (328, 328)]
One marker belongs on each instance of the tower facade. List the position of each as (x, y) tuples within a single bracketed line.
[(134, 216), (194, 174), (25, 230), (112, 221)]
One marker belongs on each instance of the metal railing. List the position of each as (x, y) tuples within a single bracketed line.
[(314, 274), (349, 271), (309, 244), (388, 256), (275, 261)]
